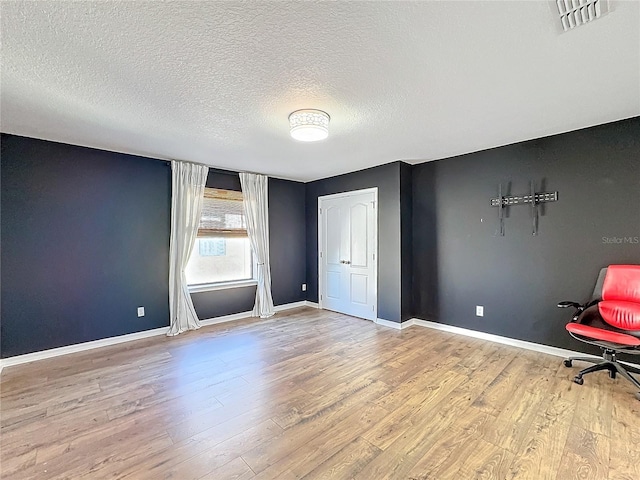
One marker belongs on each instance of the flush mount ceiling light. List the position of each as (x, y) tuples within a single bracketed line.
[(309, 125)]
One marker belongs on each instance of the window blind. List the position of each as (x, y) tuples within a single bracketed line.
[(222, 214)]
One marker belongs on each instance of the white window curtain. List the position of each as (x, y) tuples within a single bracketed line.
[(187, 189), (256, 208)]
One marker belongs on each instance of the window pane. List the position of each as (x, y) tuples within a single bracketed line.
[(220, 259)]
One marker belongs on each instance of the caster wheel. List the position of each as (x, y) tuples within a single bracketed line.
[(568, 363), (578, 380)]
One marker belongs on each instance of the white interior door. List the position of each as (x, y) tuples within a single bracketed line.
[(347, 230)]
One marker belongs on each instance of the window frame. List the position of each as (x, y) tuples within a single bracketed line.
[(244, 282), (208, 287)]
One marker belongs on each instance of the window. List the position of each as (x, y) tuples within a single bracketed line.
[(222, 252)]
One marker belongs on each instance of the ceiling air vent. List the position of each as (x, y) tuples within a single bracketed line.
[(574, 13)]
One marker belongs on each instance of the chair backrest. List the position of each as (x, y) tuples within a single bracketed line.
[(622, 283), (597, 290), (620, 305)]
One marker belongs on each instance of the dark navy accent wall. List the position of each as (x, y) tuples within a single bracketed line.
[(217, 303), (424, 246), (459, 261), (223, 179), (387, 179), (287, 240), (84, 243), (406, 240)]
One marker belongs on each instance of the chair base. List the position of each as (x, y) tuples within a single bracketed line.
[(609, 363)]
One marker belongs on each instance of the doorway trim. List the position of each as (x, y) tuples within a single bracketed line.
[(376, 205)]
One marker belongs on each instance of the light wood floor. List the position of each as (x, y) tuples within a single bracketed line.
[(314, 395)]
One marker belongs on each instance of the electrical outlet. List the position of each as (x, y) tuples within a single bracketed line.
[(140, 311), (304, 287), (479, 311)]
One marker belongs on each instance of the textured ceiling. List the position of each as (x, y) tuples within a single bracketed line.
[(214, 82)]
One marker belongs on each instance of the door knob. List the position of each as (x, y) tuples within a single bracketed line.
[(346, 262)]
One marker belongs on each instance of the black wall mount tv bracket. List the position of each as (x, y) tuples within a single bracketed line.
[(533, 199)]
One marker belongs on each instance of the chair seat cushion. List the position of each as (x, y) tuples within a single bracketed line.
[(601, 334), (624, 315)]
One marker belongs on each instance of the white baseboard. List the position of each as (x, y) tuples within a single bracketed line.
[(395, 325), (289, 306), (312, 304), (224, 318), (81, 347), (536, 347)]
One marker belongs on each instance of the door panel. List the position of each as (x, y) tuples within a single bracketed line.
[(334, 240), (348, 268), (358, 244), (359, 288), (333, 285)]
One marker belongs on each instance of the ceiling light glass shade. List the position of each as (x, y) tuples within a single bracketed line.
[(309, 125)]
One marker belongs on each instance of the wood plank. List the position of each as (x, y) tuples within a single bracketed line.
[(586, 456), (595, 400), (286, 444), (236, 469), (413, 411), (624, 454), (325, 443), (541, 452), (426, 428), (512, 425), (214, 457), (347, 463), (485, 461), (444, 458)]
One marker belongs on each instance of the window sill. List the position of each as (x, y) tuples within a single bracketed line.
[(208, 287)]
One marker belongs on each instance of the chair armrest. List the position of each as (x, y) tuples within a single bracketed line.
[(566, 304)]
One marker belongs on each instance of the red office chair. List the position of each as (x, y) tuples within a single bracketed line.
[(611, 320)]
